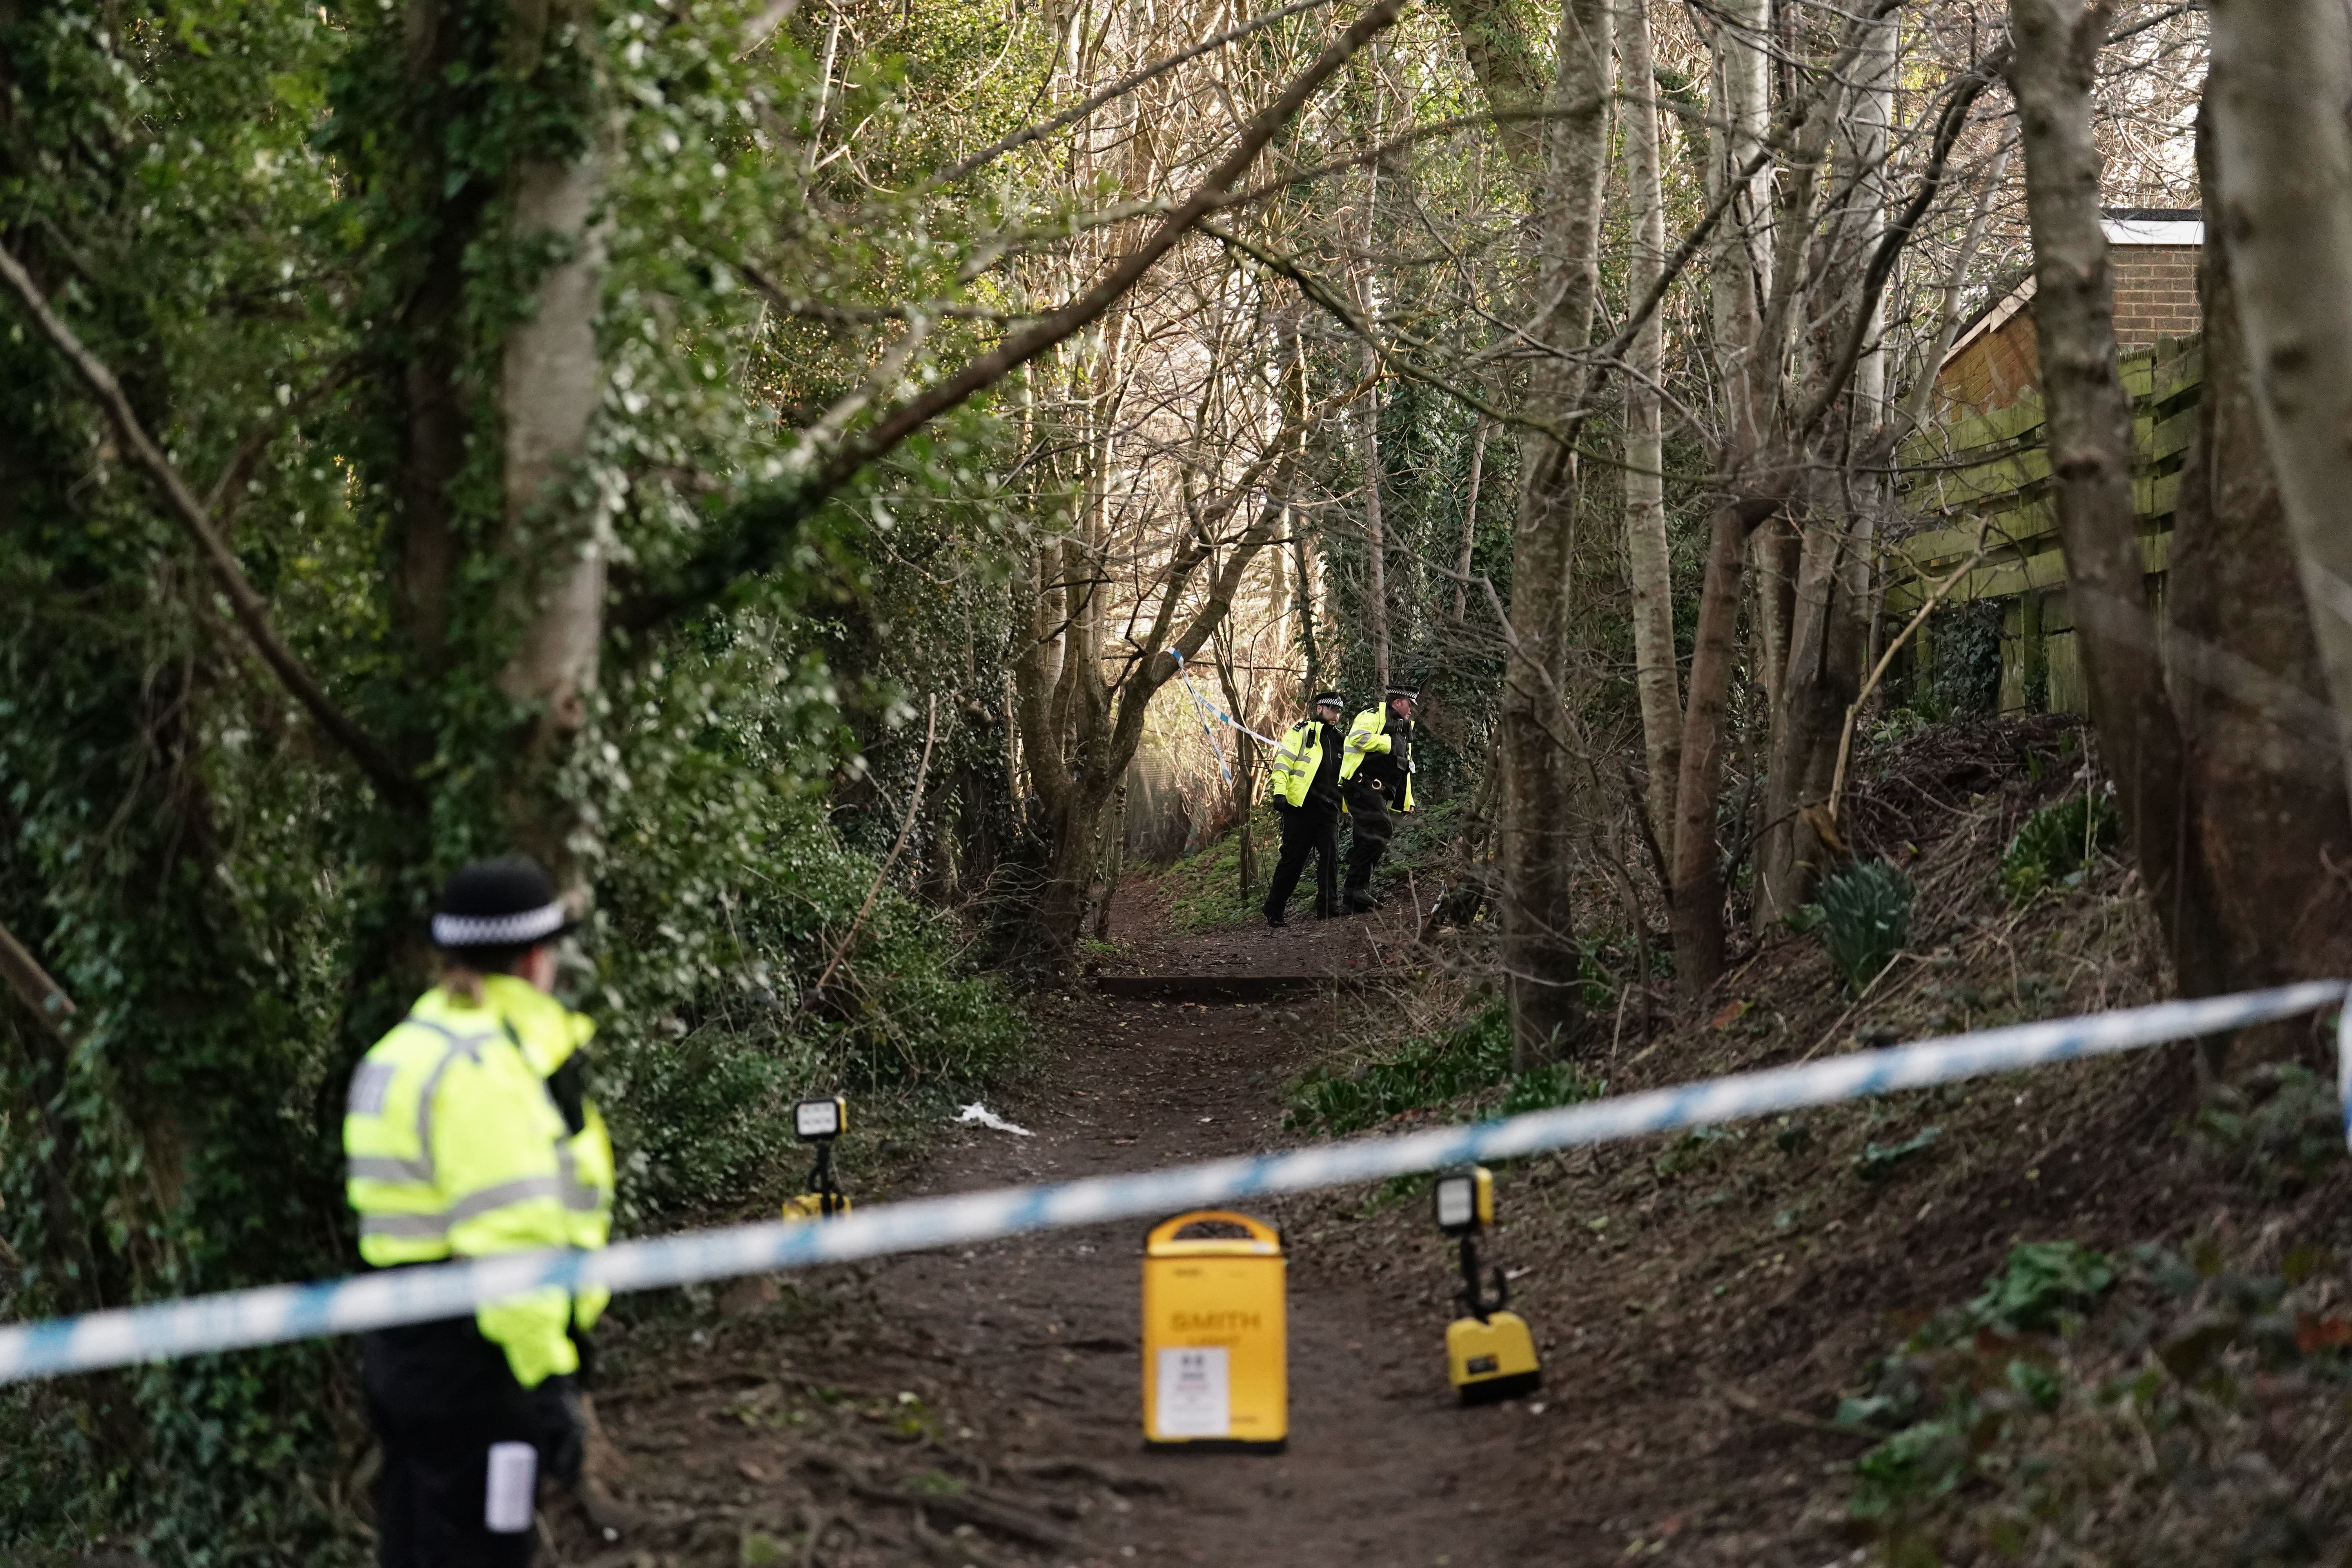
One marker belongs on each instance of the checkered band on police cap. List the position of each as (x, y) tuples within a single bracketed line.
[(498, 903), (1329, 700)]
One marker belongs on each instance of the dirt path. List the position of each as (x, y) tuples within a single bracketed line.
[(1382, 1468), (856, 1417), (1007, 1376)]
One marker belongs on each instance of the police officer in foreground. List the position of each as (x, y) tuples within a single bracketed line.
[(469, 1133), (1375, 779), (1306, 795)]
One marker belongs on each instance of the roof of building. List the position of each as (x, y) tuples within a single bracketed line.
[(2121, 226)]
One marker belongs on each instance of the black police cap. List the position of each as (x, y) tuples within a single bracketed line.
[(504, 903)]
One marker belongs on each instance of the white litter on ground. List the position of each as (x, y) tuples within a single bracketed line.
[(979, 1113)]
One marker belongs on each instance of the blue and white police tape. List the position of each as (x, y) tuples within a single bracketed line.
[(244, 1318), (1211, 711)]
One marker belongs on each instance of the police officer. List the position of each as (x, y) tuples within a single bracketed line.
[(1376, 778), (1307, 793), (469, 1134)]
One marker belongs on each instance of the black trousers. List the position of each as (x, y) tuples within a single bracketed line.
[(438, 1395), (1305, 830), (1368, 808)]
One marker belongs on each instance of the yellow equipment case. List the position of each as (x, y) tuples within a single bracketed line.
[(1215, 1366)]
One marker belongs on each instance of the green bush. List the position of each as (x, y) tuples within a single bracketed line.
[(1865, 918), (2055, 845), (1433, 1070)]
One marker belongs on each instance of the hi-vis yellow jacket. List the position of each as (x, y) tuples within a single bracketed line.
[(1298, 761), (456, 1149), (1368, 736), (551, 1034)]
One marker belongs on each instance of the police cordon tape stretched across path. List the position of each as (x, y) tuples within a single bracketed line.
[(277, 1314)]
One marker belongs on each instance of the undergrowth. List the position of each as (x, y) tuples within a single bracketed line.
[(1206, 884), (2055, 846), (2163, 1405), (1472, 1061), (1865, 919)]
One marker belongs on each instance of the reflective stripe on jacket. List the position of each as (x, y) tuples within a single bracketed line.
[(1369, 735), (453, 1146), (1298, 761)]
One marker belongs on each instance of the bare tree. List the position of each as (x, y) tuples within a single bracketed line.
[(2279, 89), (2268, 827), (1541, 959), (2089, 420), (1648, 558)]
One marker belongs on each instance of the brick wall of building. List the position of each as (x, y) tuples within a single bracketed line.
[(2155, 293), (2155, 298)]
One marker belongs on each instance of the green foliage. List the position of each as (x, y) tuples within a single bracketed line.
[(1547, 1087), (1206, 885), (1433, 1071), (1866, 916), (1932, 1452), (2054, 846), (2041, 1279), (2277, 1129), (1698, 1150), (287, 241), (2011, 1427), (1962, 675)]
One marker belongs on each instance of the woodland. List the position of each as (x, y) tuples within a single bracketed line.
[(799, 468)]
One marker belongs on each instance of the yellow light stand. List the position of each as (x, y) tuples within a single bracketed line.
[(820, 1121), (1490, 1355), (1215, 1356), (1492, 1359)]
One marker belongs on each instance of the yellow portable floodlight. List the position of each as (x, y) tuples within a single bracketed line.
[(816, 1121), (1491, 1354), (1215, 1369), (1464, 1201), (819, 1122)]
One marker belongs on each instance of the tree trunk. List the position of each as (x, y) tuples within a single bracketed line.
[(1376, 545), (1376, 542), (2280, 88), (1037, 674), (2089, 420), (1649, 565), (1541, 959), (1470, 521), (1303, 578), (1245, 752), (1114, 859), (1820, 668), (1495, 43), (2269, 824), (1742, 267), (1697, 902), (1821, 678)]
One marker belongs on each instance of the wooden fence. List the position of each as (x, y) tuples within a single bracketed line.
[(1988, 476)]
